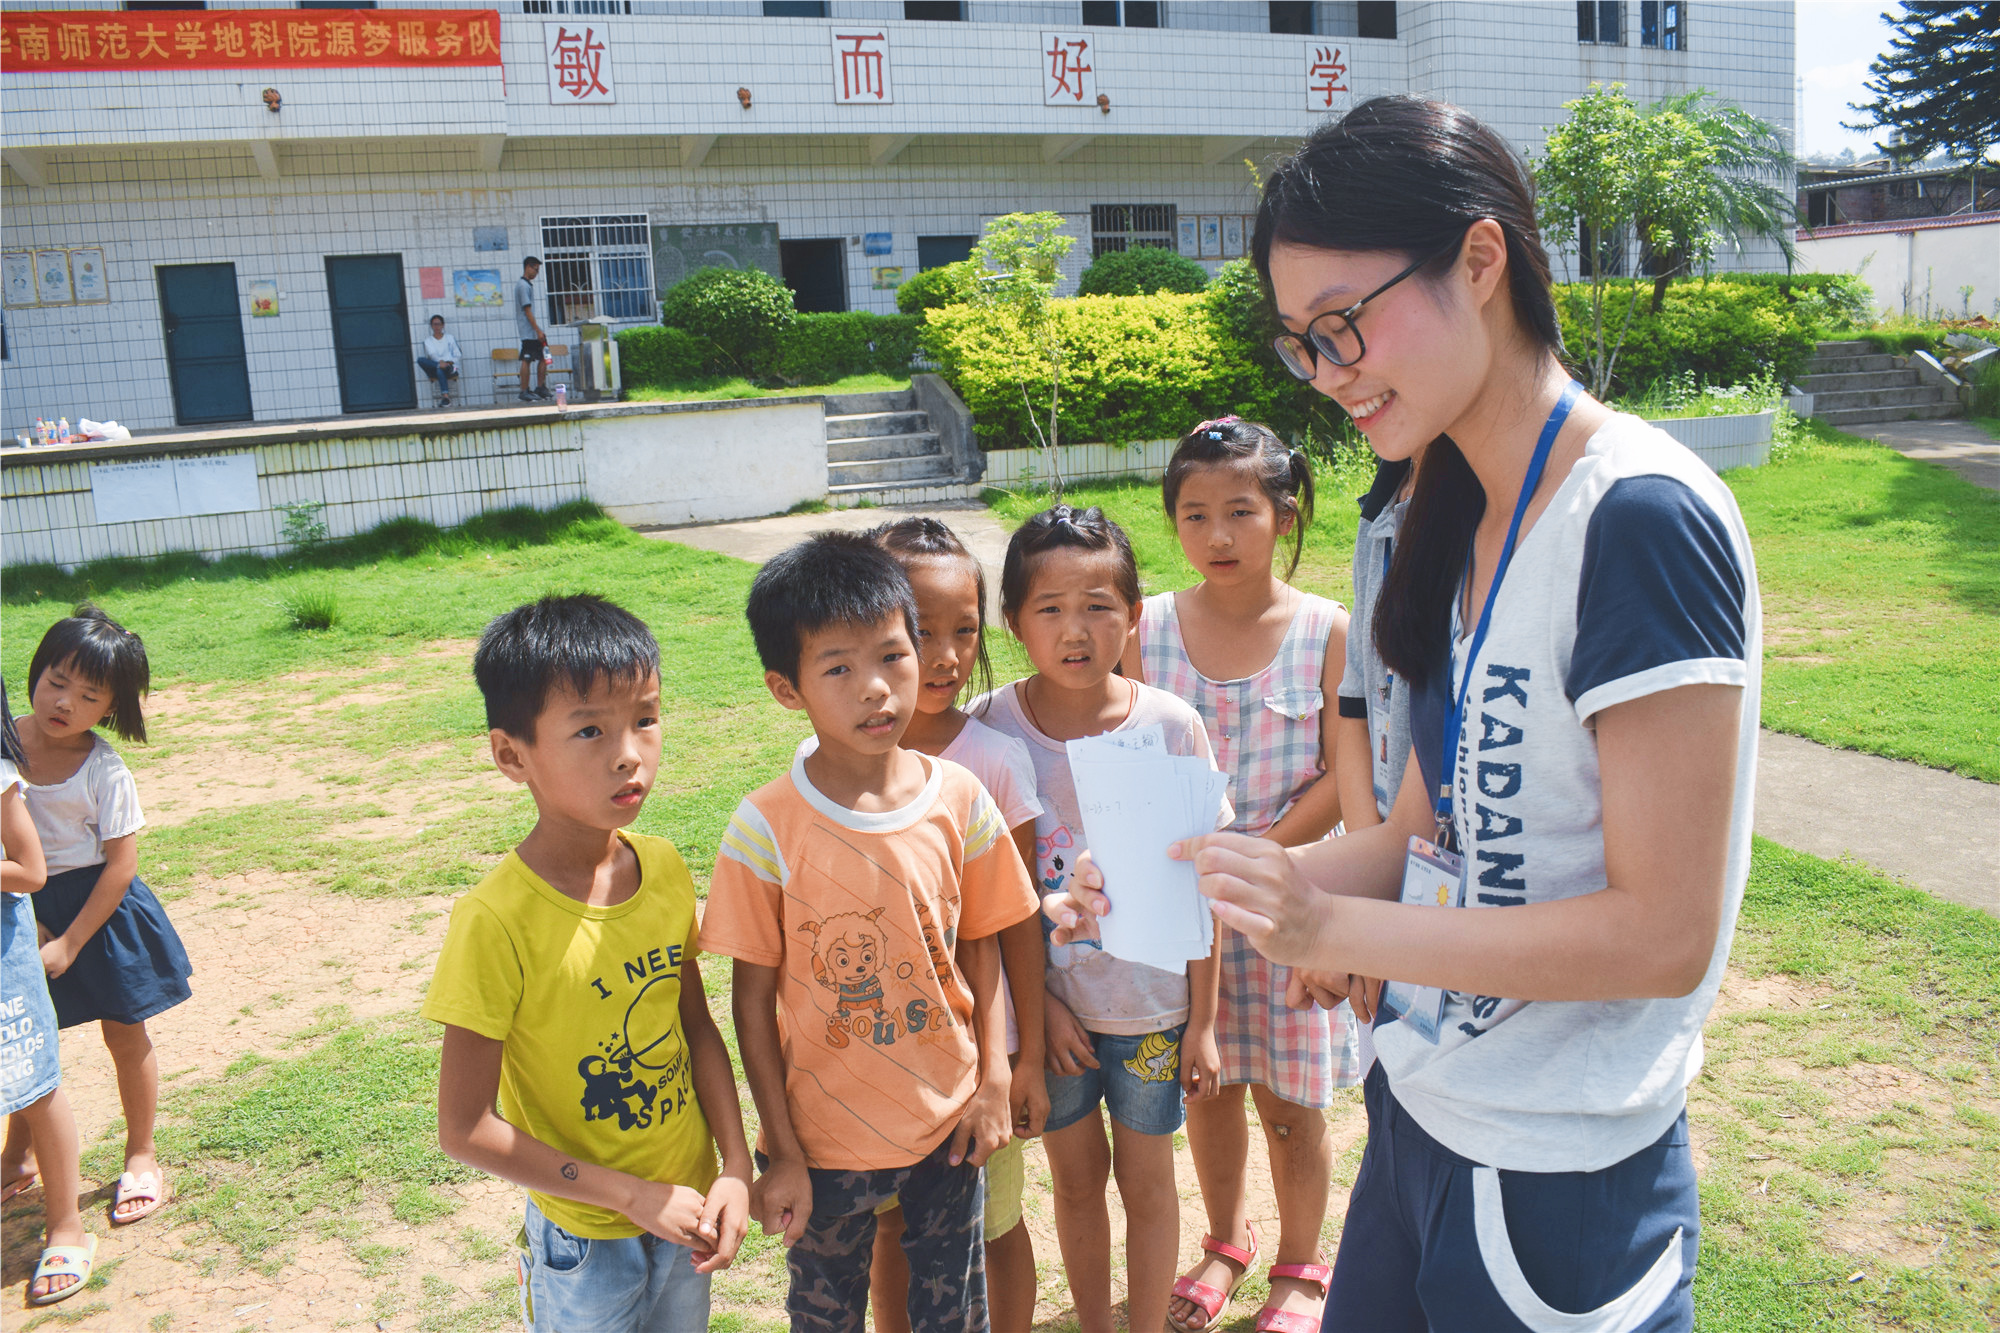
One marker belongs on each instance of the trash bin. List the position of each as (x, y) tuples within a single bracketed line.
[(597, 377)]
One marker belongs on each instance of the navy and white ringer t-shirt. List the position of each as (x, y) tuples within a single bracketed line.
[(1637, 578)]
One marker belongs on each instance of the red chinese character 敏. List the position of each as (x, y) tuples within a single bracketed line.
[(579, 61)]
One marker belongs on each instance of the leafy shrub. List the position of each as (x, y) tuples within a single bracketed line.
[(310, 608), (737, 315), (1141, 271), (948, 284), (821, 348), (654, 354), (1720, 330)]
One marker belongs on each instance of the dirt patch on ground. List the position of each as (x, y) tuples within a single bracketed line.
[(1743, 994)]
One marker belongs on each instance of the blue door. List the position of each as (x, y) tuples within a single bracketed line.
[(372, 345), (204, 327)]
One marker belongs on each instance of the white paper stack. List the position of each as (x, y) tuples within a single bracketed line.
[(1136, 799)]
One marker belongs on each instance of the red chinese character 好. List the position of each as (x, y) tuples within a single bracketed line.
[(579, 62), (1065, 61), (860, 68), (1327, 74)]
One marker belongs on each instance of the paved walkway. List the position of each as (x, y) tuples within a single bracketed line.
[(1934, 829), (1957, 444)]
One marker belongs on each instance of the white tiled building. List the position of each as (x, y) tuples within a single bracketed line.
[(716, 114)]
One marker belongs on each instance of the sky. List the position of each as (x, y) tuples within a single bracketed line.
[(1836, 41)]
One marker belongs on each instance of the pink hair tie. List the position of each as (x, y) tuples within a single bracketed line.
[(1208, 428)]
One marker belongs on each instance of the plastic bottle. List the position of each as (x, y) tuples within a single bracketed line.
[(62, 431)]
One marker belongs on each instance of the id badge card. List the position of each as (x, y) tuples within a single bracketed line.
[(1432, 877)]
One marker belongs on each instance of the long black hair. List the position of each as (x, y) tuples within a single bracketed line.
[(921, 537), (1407, 174), (1281, 472)]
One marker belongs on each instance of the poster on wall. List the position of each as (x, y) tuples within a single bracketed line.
[(681, 250), (878, 243), (888, 279), (430, 284), (1211, 236), (1232, 236), (263, 298), (174, 487), (86, 275), (489, 238), (52, 277), (1190, 237), (216, 484), (476, 286), (17, 277)]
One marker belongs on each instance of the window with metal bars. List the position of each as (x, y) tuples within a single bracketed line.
[(1123, 226), (597, 267)]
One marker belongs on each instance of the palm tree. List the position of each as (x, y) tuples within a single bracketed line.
[(1738, 187)]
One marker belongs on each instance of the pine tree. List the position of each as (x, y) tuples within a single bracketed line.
[(1939, 82)]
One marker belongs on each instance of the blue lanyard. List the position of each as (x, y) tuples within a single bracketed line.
[(1455, 719)]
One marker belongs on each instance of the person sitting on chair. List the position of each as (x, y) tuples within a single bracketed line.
[(440, 359)]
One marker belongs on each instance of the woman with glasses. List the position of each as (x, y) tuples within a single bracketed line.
[(1573, 603)]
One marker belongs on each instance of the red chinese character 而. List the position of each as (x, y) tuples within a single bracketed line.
[(861, 66), (579, 63)]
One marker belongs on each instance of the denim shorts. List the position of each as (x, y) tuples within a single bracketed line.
[(30, 1065), (1137, 1078), (634, 1284)]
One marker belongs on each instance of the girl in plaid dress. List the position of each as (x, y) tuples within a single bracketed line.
[(1259, 660)]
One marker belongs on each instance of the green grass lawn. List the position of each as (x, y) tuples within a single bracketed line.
[(1880, 577), (735, 386)]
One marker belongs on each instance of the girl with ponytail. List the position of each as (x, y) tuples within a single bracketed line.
[(1573, 602), (1259, 660)]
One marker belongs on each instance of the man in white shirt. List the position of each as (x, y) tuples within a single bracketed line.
[(440, 359)]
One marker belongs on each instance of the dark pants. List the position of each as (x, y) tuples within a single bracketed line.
[(439, 376), (1436, 1243), (943, 1239)]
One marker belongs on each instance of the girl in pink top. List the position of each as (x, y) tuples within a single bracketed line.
[(1259, 660)]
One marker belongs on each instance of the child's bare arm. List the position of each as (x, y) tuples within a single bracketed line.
[(121, 863), (726, 1214), (1201, 1059), (986, 1125), (470, 1132), (1354, 774), (782, 1197), (1026, 959), (25, 870), (1324, 804)]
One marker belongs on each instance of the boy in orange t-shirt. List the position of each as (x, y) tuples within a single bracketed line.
[(861, 896)]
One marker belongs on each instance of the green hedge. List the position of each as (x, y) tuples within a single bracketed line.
[(821, 348), (738, 316), (656, 355), (1721, 330), (1141, 271)]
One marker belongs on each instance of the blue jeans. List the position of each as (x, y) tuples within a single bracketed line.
[(439, 376), (637, 1284), (1437, 1243), (1137, 1078)]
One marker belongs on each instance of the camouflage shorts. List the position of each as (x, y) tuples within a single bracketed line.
[(943, 1239)]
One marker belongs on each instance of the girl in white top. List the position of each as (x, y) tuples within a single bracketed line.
[(951, 597), (113, 958), (1573, 602)]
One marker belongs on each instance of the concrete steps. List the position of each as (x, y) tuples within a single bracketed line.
[(1852, 384), (881, 441)]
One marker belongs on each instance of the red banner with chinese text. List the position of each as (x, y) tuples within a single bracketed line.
[(90, 39)]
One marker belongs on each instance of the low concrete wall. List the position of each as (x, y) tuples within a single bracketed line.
[(644, 462), (1147, 459), (1724, 442), (952, 420), (1915, 267)]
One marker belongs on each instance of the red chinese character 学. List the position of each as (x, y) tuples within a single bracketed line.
[(1066, 64), (860, 66), (1326, 76), (579, 63)]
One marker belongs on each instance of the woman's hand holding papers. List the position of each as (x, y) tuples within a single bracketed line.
[(1254, 887)]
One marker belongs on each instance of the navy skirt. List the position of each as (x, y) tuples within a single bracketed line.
[(134, 966)]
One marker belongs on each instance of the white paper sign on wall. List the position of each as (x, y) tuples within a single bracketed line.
[(579, 63), (174, 487), (1069, 69), (861, 66), (1328, 85)]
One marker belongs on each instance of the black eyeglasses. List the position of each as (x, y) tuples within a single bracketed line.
[(1333, 334)]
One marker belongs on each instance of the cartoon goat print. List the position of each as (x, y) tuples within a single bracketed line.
[(849, 950)]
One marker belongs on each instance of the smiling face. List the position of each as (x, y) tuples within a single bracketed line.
[(1229, 528), (857, 682), (1073, 620), (947, 629), (1426, 347), (66, 703), (593, 757)]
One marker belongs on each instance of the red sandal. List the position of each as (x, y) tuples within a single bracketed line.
[(1270, 1320), (1209, 1299)]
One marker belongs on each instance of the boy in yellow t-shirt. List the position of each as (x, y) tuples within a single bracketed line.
[(568, 987), (862, 895)]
